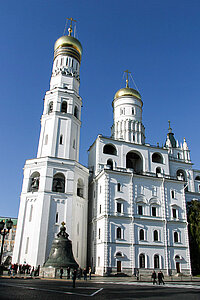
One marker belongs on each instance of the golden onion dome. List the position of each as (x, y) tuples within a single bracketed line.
[(127, 92), (68, 45)]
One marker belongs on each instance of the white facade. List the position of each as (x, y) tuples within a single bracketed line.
[(55, 185), (137, 197)]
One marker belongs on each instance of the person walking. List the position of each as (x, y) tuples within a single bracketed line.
[(85, 274), (68, 272), (90, 273), (61, 273), (153, 276), (74, 277), (160, 278)]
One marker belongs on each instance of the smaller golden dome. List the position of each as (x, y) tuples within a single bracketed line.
[(127, 92), (68, 41)]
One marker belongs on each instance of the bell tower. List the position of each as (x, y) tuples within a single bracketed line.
[(127, 115), (55, 185)]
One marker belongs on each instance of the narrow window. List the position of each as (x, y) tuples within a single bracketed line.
[(141, 235), (46, 139), (100, 189), (31, 213), (27, 243), (118, 187), (61, 139), (155, 235), (119, 207), (99, 261), (154, 211), (66, 61), (99, 233), (156, 262), (173, 194), (64, 107), (94, 194), (140, 212), (78, 229), (57, 217), (72, 63), (119, 233), (174, 212), (50, 107), (133, 111), (100, 208), (61, 62), (175, 237), (76, 112), (133, 138), (57, 63), (76, 66), (74, 146), (142, 260)]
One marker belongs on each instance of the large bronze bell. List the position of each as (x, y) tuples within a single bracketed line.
[(61, 254)]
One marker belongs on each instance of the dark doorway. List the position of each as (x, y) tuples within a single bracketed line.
[(119, 266)]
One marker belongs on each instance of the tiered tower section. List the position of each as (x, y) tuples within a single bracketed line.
[(127, 115)]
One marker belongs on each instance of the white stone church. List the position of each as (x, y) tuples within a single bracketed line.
[(127, 210)]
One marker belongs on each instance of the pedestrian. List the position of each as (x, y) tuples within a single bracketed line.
[(32, 271), (137, 274), (74, 272), (153, 276), (79, 273), (160, 278), (90, 272), (68, 272), (85, 274), (61, 273)]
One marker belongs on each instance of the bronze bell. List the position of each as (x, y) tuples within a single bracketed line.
[(61, 254)]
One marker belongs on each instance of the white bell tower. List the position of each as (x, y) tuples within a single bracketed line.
[(127, 115), (55, 185)]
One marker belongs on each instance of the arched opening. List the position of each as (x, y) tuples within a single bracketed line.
[(58, 183), (197, 178), (110, 163), (175, 237), (180, 175), (76, 112), (64, 107), (119, 254), (34, 182), (50, 109), (142, 260), (156, 261), (134, 161), (155, 235), (141, 235), (157, 158), (80, 188), (109, 149), (119, 233), (158, 171)]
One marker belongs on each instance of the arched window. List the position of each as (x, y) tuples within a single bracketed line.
[(58, 183), (157, 158), (34, 182), (178, 155), (142, 260), (197, 178), (80, 188), (133, 112), (119, 254), (110, 163), (64, 107), (158, 171), (76, 112), (109, 149), (134, 161), (156, 261), (61, 139), (50, 109), (175, 237), (119, 233), (180, 175), (155, 235), (141, 235)]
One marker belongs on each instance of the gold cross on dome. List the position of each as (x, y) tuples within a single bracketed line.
[(127, 72), (63, 223), (70, 26)]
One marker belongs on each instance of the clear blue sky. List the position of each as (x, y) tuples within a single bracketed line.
[(158, 41)]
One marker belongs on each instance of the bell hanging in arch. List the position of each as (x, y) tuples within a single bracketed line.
[(61, 254)]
